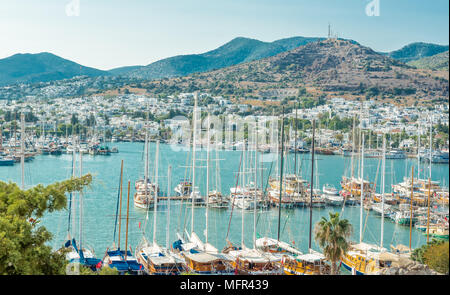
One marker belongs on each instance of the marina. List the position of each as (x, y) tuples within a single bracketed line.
[(100, 198)]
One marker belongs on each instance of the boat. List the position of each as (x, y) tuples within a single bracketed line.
[(331, 195), (388, 211), (396, 154), (122, 260), (217, 200), (366, 259), (313, 263), (78, 252), (247, 261), (372, 154), (389, 199), (361, 259), (156, 259), (293, 261), (403, 217), (145, 189), (6, 161), (184, 188), (438, 232)]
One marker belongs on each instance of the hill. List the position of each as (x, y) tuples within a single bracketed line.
[(335, 67), (436, 62), (238, 50), (415, 51), (41, 67)]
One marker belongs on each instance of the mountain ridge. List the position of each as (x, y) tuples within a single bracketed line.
[(44, 67), (41, 67), (337, 67)]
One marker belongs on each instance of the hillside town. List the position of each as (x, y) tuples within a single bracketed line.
[(122, 117)]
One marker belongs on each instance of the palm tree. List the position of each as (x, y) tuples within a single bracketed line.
[(332, 237)]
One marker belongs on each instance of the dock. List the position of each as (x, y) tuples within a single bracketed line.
[(174, 198)]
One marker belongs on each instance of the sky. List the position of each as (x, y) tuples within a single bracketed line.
[(106, 34)]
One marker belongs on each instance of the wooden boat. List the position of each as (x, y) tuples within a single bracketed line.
[(306, 264), (362, 259), (123, 261), (217, 200), (252, 262), (156, 260), (184, 188)]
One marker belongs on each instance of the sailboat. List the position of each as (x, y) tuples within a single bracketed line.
[(200, 258), (144, 187), (364, 258), (294, 262), (240, 196), (122, 260), (251, 261), (214, 198), (77, 252), (331, 195), (156, 259)]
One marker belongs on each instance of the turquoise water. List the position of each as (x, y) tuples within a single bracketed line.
[(100, 199)]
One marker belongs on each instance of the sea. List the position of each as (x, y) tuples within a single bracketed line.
[(99, 222)]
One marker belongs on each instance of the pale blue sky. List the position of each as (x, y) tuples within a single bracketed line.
[(113, 33)]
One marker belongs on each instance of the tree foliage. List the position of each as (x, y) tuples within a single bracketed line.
[(332, 236), (435, 254), (23, 248)]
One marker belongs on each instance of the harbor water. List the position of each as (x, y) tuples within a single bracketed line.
[(100, 199)]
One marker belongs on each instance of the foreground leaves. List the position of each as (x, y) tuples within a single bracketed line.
[(23, 248)]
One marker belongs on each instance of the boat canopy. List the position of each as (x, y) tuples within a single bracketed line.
[(202, 257), (311, 257), (367, 247), (269, 242)]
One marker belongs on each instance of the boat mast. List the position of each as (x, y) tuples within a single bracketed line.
[(155, 205), (81, 205), (360, 140), (418, 151), (362, 191), (128, 213), (411, 206), (194, 123), (281, 173), (383, 163), (120, 202), (117, 207), (428, 211), (243, 197), (295, 145), (208, 139), (70, 199), (255, 186), (312, 182), (431, 142), (353, 152), (169, 174), (146, 167)]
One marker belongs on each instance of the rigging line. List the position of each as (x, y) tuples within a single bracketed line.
[(368, 209), (117, 211), (265, 189), (70, 203), (287, 218), (232, 202), (188, 159)]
